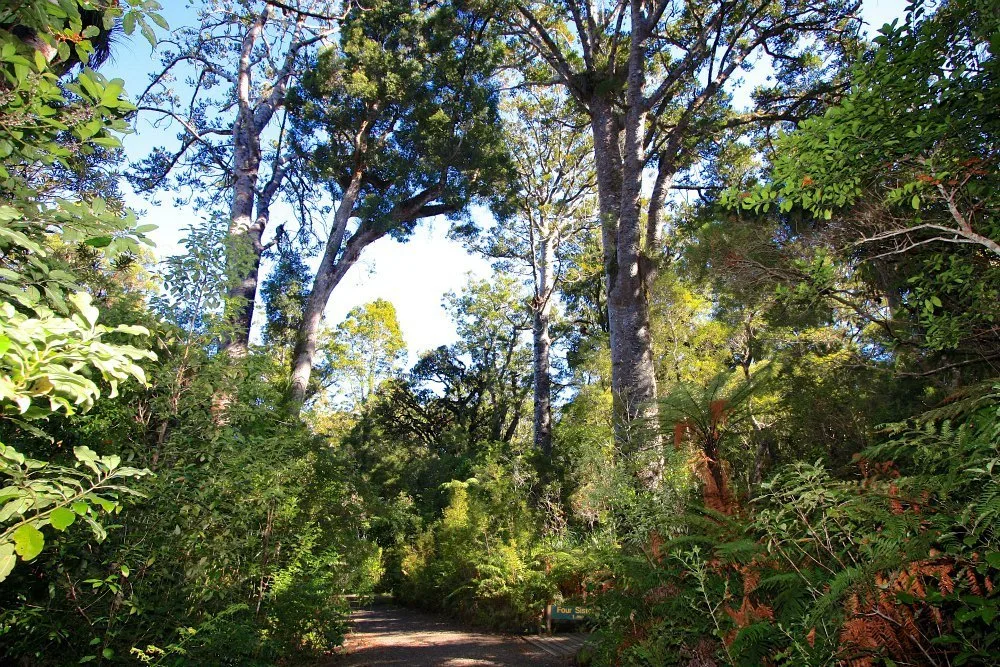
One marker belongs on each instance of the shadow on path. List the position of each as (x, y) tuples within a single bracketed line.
[(391, 635)]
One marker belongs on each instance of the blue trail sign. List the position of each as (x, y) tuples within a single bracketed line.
[(558, 612)]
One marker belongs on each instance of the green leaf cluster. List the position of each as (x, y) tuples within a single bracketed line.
[(912, 134), (39, 494)]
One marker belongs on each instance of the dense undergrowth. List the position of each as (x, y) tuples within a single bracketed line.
[(897, 564), (234, 548), (484, 561)]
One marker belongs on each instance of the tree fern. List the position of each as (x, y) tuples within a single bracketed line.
[(739, 551)]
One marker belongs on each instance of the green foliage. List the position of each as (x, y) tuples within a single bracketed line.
[(40, 494), (892, 565), (460, 397), (901, 175), (47, 123), (407, 109), (47, 360), (53, 363), (483, 560), (250, 535), (38, 40), (775, 342), (239, 557), (363, 351), (195, 280), (45, 357), (285, 292), (910, 130)]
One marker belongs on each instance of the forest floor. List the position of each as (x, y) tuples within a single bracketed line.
[(392, 635)]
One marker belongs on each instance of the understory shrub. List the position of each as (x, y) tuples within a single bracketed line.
[(899, 565), (487, 561), (236, 550)]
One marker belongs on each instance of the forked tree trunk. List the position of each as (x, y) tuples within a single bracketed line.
[(336, 263), (246, 231), (244, 251), (715, 48), (329, 276)]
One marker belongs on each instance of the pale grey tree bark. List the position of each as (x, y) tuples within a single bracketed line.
[(633, 377), (541, 340), (341, 253), (256, 109), (651, 113), (552, 154), (332, 269), (223, 133), (557, 213)]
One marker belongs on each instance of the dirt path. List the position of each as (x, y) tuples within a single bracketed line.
[(390, 635)]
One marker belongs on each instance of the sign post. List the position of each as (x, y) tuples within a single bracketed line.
[(558, 612)]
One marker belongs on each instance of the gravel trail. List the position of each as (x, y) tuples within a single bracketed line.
[(391, 635)]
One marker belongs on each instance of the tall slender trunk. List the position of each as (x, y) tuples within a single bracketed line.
[(244, 250), (305, 345), (331, 271), (542, 344)]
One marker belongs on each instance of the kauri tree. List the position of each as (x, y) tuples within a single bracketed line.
[(656, 79)]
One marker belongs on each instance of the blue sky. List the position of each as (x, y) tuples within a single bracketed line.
[(413, 276)]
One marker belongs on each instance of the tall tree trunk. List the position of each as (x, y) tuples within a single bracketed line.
[(243, 257), (330, 274), (245, 249), (335, 265), (243, 254), (542, 344), (714, 47), (631, 341), (619, 181), (331, 271)]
